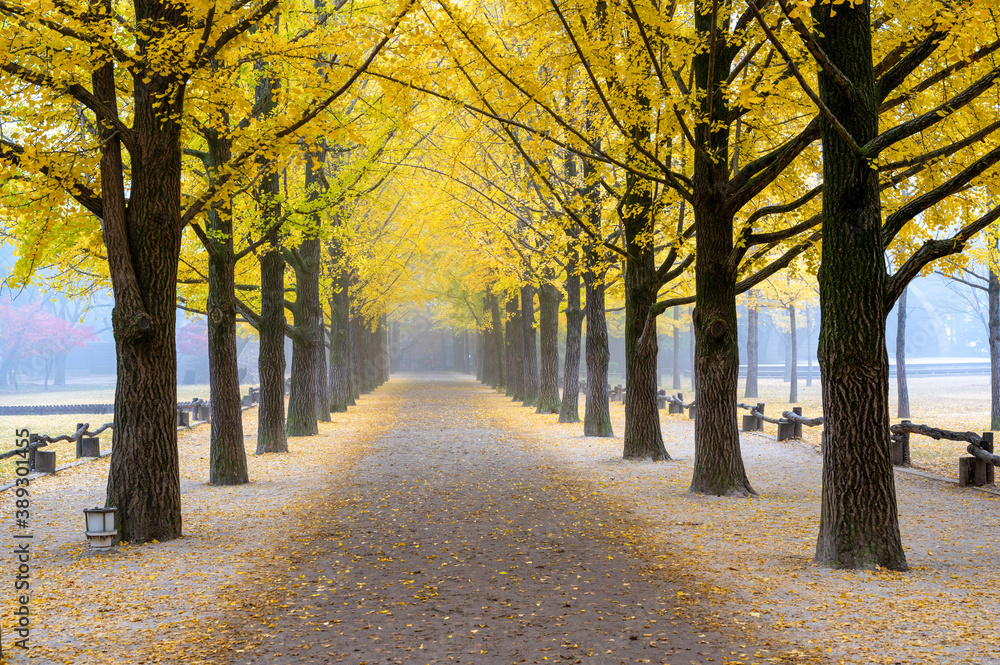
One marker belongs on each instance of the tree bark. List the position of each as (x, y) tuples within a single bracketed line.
[(569, 409), (643, 439), (227, 459), (322, 377), (787, 339), (486, 344), (480, 358), (530, 358), (809, 347), (363, 355), (514, 349), (301, 420), (993, 293), (677, 351), (271, 357), (597, 411), (752, 351), (793, 393), (718, 463), (495, 341), (383, 348), (465, 351), (340, 390), (859, 527), (691, 356), (143, 242), (548, 326), (902, 390)]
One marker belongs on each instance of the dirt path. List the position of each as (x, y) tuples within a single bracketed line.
[(459, 544)]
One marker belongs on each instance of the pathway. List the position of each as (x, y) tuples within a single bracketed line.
[(459, 547)]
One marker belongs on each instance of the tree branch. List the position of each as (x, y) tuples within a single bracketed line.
[(933, 250), (897, 220)]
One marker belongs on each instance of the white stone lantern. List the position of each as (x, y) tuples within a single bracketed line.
[(101, 527)]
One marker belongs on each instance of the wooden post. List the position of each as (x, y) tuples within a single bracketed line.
[(79, 447), (797, 432), (45, 461), (90, 446), (987, 470), (749, 423), (32, 438), (692, 411), (900, 444), (975, 472), (760, 421)]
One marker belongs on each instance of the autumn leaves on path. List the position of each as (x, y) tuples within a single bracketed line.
[(455, 543)]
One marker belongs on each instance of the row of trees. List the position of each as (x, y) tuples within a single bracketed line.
[(214, 149), (669, 154), (630, 119)]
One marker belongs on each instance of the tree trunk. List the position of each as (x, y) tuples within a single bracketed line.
[(514, 349), (394, 349), (994, 335), (691, 356), (498, 361), (859, 527), (752, 350), (677, 351), (902, 390), (643, 439), (529, 357), (597, 411), (143, 242), (482, 358), (787, 339), (809, 348), (322, 375), (793, 394), (718, 461), (465, 351), (360, 336), (271, 356), (383, 349), (569, 410), (486, 344), (227, 459), (301, 419), (548, 327), (307, 370), (340, 390)]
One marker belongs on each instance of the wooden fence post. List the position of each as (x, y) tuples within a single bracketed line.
[(974, 471), (32, 438), (79, 439), (901, 448)]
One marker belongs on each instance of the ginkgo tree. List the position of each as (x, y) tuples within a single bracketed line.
[(923, 119), (111, 76)]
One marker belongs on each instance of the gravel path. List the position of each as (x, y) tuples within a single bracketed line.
[(458, 543)]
